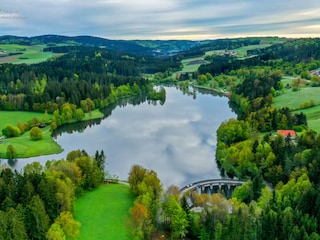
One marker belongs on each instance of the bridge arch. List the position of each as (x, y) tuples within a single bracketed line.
[(211, 186)]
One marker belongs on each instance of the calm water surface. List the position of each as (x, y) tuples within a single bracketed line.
[(176, 139)]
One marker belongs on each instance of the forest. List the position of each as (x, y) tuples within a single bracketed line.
[(280, 199)]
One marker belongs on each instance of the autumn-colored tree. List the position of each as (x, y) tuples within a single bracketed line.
[(140, 222)]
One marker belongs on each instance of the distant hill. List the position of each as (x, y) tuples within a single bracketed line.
[(145, 47)]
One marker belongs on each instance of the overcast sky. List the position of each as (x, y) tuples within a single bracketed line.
[(161, 19)]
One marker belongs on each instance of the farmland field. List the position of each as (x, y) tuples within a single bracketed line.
[(25, 54)]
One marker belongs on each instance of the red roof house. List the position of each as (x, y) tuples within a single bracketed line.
[(286, 133)]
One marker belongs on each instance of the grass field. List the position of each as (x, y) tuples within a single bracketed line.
[(293, 100), (102, 212), (192, 64), (313, 116), (13, 117), (95, 114), (30, 54), (26, 147)]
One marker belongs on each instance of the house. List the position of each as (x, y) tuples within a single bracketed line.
[(315, 73), (287, 133)]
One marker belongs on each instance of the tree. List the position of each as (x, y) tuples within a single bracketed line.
[(90, 171), (12, 225), (11, 152), (177, 217), (140, 222), (64, 226), (136, 176), (11, 131), (36, 219), (79, 114), (101, 160), (36, 133)]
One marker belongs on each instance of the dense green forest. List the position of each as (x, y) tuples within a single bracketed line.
[(280, 199), (38, 203)]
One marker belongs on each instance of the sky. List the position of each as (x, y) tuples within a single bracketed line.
[(161, 19)]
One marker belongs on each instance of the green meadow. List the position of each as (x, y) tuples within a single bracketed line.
[(13, 117), (313, 116), (192, 64), (30, 54), (293, 100), (27, 147), (103, 212)]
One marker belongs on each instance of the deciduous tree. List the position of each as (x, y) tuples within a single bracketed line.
[(36, 133)]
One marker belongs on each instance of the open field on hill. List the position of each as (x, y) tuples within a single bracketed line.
[(28, 54), (192, 64), (102, 212), (293, 100)]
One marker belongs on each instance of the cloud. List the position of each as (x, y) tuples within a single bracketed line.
[(166, 19)]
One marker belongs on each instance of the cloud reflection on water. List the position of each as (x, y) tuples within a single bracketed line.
[(177, 139)]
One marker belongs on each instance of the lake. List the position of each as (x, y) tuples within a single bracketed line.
[(176, 139)]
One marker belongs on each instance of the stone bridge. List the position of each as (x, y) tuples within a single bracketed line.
[(211, 186)]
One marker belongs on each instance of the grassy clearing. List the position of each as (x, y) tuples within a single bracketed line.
[(192, 64), (313, 116), (293, 100), (242, 52), (102, 212), (13, 117), (95, 114)]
